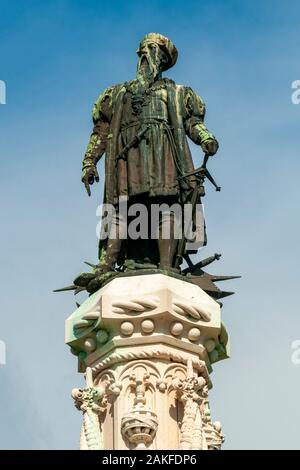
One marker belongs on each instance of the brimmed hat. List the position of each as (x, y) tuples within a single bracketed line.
[(166, 45)]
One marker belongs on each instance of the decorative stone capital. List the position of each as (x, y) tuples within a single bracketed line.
[(147, 310)]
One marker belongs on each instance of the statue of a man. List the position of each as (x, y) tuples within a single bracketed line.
[(142, 127)]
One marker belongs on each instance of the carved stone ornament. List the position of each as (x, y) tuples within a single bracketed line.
[(91, 401), (212, 430), (139, 424), (189, 392)]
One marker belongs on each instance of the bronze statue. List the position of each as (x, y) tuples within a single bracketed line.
[(142, 127)]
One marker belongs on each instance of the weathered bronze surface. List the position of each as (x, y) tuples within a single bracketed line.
[(142, 127)]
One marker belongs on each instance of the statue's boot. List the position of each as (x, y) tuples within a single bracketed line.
[(167, 249), (117, 234), (112, 252)]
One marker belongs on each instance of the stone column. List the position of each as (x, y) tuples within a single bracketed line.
[(146, 344)]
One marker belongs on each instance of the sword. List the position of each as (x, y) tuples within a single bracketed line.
[(136, 140), (202, 171)]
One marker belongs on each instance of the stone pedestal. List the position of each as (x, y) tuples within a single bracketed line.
[(146, 344)]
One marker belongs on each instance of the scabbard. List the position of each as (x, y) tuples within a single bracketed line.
[(137, 138)]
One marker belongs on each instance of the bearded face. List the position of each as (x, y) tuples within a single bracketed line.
[(151, 60)]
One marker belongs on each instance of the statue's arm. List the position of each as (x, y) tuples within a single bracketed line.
[(97, 144), (194, 123)]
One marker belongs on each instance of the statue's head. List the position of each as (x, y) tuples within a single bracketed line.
[(156, 54)]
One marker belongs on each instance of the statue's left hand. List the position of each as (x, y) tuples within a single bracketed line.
[(210, 146)]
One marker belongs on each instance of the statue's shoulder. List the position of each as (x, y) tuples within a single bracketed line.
[(178, 88), (106, 100), (110, 92), (177, 91), (188, 94), (184, 88)]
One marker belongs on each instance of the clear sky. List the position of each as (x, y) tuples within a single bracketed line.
[(241, 57)]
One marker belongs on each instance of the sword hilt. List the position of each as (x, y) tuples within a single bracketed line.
[(207, 173), (202, 171)]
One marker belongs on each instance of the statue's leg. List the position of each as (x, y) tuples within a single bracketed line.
[(109, 252), (166, 241)]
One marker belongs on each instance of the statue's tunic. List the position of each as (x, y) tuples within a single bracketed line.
[(150, 165), (153, 164)]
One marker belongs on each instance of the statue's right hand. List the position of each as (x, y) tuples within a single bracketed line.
[(89, 175), (210, 146)]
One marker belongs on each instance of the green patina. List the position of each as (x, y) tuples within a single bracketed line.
[(142, 127)]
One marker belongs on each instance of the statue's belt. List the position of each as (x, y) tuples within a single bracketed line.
[(145, 121), (143, 126)]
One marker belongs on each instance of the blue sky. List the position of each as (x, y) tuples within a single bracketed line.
[(241, 57)]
